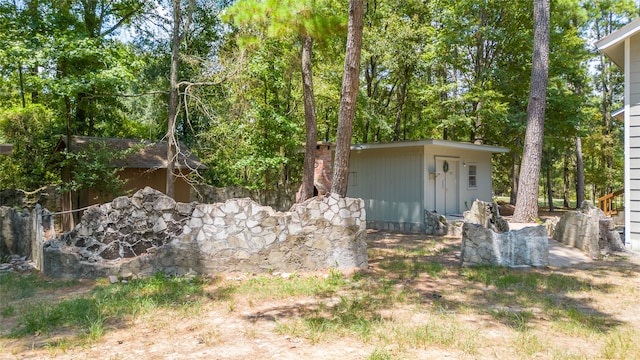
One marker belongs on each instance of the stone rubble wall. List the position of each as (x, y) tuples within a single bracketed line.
[(525, 247), (150, 232)]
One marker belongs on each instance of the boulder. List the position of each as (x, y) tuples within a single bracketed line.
[(589, 230), (435, 224), (486, 214)]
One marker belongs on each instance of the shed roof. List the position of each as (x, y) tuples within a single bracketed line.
[(612, 45), (150, 155), (445, 143)]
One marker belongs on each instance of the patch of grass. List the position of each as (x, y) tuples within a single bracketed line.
[(42, 318), (621, 344), (528, 344), (380, 354), (88, 314), (578, 322), (517, 319), (350, 316), (277, 287), (430, 267), (548, 291), (16, 286), (412, 267), (58, 345), (527, 282), (440, 331), (354, 316), (395, 265), (7, 311)]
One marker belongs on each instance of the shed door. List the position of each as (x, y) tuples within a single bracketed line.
[(447, 189)]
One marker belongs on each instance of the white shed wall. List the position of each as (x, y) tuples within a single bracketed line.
[(390, 182)]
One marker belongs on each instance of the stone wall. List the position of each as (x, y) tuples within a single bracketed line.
[(149, 232)]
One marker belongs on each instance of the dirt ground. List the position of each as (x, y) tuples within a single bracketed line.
[(248, 328)]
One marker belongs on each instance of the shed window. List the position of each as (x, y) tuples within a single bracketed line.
[(473, 175)]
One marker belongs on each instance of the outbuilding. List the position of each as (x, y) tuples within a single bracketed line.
[(145, 164), (400, 181)]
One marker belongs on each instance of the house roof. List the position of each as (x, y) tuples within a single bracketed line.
[(612, 45), (618, 114), (150, 155), (445, 143), (6, 149)]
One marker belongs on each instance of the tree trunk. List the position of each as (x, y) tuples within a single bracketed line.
[(527, 205), (348, 96), (477, 134), (514, 179), (549, 188), (401, 96), (21, 79), (173, 99), (177, 36), (306, 191), (565, 178), (579, 173), (370, 75)]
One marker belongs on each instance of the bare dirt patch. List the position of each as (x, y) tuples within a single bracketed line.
[(413, 302)]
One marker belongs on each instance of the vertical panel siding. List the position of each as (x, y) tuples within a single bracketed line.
[(390, 182), (633, 138)]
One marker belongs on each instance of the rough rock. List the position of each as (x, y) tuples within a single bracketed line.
[(435, 224), (589, 230), (16, 263), (486, 214), (16, 231), (482, 246)]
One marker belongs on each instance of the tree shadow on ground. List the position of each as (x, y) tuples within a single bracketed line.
[(426, 270)]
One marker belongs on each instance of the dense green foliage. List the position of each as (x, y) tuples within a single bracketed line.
[(443, 69)]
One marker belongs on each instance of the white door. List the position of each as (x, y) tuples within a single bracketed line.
[(447, 187)]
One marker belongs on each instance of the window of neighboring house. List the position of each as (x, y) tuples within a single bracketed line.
[(353, 178), (473, 175)]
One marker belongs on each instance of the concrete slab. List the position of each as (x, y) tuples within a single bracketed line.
[(560, 255)]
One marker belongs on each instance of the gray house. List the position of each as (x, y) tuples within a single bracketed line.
[(623, 47), (399, 181)]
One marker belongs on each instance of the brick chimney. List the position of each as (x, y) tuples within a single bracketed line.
[(323, 170), (323, 167)]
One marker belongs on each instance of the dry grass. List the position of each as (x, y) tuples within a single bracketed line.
[(414, 302)]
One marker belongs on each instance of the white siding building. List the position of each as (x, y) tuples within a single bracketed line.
[(623, 47), (399, 181)]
